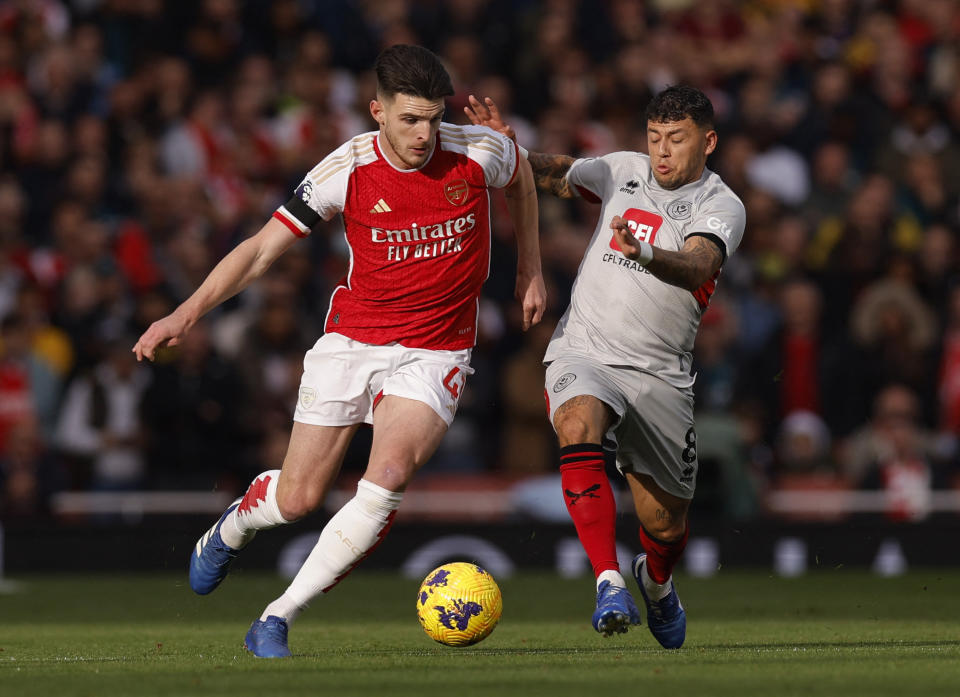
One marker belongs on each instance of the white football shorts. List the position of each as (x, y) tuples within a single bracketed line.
[(654, 431), (344, 379)]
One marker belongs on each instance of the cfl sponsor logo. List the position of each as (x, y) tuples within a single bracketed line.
[(717, 225), (643, 224), (425, 233)]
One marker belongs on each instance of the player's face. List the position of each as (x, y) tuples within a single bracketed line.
[(409, 126), (678, 151)]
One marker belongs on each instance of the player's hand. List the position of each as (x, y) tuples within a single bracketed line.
[(626, 240), (168, 331), (487, 114), (532, 293)]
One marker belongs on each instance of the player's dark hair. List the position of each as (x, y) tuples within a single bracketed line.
[(411, 70), (677, 102)]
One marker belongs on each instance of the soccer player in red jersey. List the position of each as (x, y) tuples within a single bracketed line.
[(414, 196), (618, 365)]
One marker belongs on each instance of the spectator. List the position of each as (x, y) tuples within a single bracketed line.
[(192, 413), (803, 445), (29, 389), (99, 425), (29, 472), (138, 141), (800, 368), (895, 454), (894, 334)]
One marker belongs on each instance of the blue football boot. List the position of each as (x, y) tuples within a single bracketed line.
[(268, 638), (211, 557), (665, 617), (615, 611)]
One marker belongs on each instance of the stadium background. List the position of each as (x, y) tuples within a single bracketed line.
[(141, 139)]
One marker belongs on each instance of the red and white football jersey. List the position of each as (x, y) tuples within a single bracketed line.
[(419, 239)]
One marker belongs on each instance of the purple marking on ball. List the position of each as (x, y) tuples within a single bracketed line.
[(459, 616), (438, 579), (423, 597)]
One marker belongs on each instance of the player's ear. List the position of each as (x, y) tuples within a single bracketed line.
[(377, 111), (710, 142)]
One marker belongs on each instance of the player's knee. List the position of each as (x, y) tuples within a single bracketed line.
[(572, 428), (298, 503), (666, 527), (392, 477)]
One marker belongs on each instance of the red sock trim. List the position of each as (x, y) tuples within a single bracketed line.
[(662, 556), (590, 502), (382, 534), (256, 494)]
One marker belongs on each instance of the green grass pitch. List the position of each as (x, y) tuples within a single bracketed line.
[(833, 632)]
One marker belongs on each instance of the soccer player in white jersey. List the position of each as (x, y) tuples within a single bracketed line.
[(399, 330), (618, 364)]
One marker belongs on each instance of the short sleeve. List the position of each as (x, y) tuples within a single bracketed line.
[(497, 155), (322, 193), (590, 177), (721, 216)]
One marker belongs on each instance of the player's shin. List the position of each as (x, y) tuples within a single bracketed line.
[(590, 502), (662, 556), (347, 539), (258, 510)]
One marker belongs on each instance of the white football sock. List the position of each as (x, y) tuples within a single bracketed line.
[(613, 576), (257, 511), (285, 607), (655, 591), (346, 540)]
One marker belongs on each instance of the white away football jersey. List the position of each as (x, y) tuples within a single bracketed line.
[(620, 313)]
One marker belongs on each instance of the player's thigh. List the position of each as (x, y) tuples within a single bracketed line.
[(582, 403), (406, 433), (313, 460), (657, 441), (662, 514), (416, 404)]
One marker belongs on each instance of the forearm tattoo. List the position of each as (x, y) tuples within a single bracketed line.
[(550, 173), (689, 268)]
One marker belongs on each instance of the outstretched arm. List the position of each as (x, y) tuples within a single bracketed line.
[(522, 204), (689, 268), (549, 171), (245, 263)]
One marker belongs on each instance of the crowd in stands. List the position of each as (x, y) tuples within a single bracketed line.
[(140, 140)]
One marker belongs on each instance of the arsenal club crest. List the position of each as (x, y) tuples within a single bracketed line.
[(456, 191)]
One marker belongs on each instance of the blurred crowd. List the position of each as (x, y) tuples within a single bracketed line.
[(140, 140)]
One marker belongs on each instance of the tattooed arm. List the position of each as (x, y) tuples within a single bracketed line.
[(689, 268), (550, 173)]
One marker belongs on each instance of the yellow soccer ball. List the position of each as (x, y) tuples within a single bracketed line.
[(459, 604)]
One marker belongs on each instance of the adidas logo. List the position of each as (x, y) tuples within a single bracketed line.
[(381, 207)]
